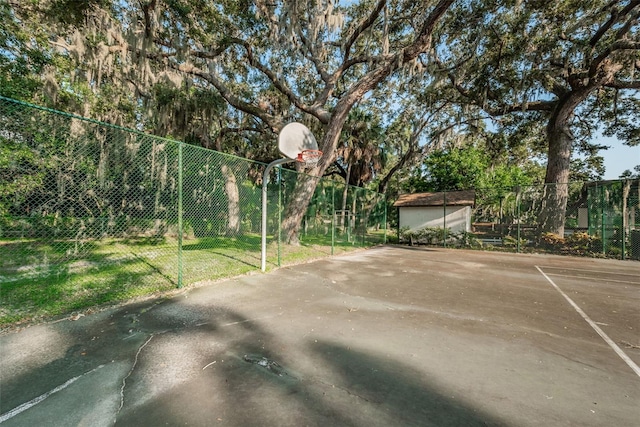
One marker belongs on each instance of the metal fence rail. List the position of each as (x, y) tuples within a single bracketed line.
[(84, 203)]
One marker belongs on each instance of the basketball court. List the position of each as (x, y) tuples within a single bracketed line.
[(387, 336)]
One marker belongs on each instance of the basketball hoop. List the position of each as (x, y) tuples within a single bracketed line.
[(309, 158), (297, 144)]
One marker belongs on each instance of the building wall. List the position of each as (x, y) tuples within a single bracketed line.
[(458, 218), (583, 218)]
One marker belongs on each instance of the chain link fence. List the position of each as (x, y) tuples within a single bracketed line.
[(91, 208), (599, 219), (93, 213)]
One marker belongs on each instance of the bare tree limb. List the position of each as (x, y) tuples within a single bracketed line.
[(618, 45), (231, 130), (633, 19)]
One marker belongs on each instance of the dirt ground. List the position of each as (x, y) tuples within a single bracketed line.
[(391, 336)]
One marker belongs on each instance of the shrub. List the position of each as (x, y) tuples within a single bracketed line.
[(583, 243), (464, 239), (424, 236), (552, 241), (511, 242)]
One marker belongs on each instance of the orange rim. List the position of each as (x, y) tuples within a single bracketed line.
[(309, 156)]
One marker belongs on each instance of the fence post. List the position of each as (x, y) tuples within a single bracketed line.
[(346, 223), (333, 217), (384, 216), (603, 222), (624, 238), (279, 181), (180, 224), (363, 218), (444, 218), (519, 221), (626, 187)]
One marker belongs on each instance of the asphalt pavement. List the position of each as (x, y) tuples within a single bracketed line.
[(391, 336)]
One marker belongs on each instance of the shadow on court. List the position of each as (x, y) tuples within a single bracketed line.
[(389, 336)]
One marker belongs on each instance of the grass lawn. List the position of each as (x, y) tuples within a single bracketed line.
[(41, 280)]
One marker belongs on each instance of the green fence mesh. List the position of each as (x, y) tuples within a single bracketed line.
[(601, 219), (86, 205), (91, 212)]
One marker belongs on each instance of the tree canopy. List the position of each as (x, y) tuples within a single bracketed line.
[(383, 83)]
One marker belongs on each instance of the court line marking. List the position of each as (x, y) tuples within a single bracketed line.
[(594, 278), (33, 402), (589, 271), (595, 327)]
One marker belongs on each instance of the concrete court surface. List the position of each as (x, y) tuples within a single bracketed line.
[(391, 336)]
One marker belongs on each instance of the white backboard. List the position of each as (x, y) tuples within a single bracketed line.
[(295, 138)]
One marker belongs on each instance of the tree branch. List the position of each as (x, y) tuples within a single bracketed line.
[(391, 63), (424, 36), (613, 19), (230, 130), (324, 75), (364, 24), (282, 86), (275, 123), (618, 45), (633, 19), (520, 107), (621, 84)]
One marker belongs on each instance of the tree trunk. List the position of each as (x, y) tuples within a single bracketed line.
[(297, 207), (233, 201), (306, 185), (560, 139), (345, 194), (556, 191)]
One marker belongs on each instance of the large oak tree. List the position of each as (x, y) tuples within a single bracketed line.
[(285, 60), (572, 67)]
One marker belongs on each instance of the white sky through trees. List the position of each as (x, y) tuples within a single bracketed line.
[(618, 157)]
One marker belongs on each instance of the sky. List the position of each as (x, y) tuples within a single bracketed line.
[(618, 157)]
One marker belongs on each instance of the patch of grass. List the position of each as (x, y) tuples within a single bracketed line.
[(45, 289), (46, 279)]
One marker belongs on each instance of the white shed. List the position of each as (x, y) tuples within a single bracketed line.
[(451, 209)]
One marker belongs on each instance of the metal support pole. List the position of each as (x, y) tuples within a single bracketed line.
[(624, 242), (518, 216), (265, 181), (180, 213), (279, 215), (333, 219), (603, 222)]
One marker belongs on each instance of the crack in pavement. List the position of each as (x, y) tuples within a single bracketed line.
[(124, 380)]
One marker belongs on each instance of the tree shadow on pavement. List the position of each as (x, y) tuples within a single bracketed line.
[(334, 385), (396, 393), (200, 364)]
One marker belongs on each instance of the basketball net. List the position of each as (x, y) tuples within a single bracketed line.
[(309, 158)]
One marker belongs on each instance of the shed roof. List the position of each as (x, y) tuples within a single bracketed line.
[(453, 198)]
